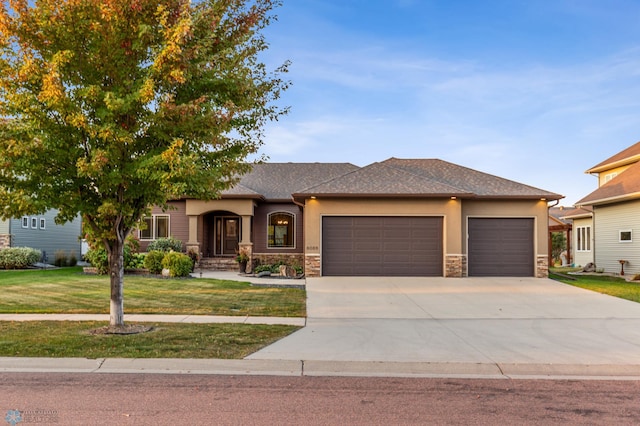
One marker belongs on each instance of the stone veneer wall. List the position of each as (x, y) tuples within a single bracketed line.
[(5, 241), (542, 268), (455, 266), (312, 265)]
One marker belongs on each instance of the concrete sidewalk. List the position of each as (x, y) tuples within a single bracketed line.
[(193, 319)]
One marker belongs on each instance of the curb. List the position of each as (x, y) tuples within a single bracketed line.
[(316, 368)]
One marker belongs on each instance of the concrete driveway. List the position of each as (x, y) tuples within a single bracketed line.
[(474, 321)]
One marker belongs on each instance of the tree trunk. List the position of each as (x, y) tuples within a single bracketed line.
[(116, 275)]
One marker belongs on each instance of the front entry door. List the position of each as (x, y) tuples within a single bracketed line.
[(227, 235)]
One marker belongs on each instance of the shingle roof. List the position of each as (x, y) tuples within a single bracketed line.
[(378, 179), (424, 177), (622, 187), (469, 180), (628, 156), (277, 181), (574, 212)]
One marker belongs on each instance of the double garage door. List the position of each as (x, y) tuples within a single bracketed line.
[(413, 246), (381, 246)]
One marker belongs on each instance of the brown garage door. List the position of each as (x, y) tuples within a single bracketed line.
[(381, 246), (501, 247)]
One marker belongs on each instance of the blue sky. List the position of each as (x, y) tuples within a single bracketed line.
[(535, 91)]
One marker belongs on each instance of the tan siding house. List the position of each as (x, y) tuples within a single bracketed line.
[(400, 217)]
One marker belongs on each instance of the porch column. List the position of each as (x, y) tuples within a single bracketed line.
[(193, 244), (246, 246)]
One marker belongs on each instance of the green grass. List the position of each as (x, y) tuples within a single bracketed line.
[(73, 339), (68, 290), (612, 286)]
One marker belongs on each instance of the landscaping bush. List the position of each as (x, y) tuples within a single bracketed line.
[(19, 257), (99, 259), (136, 261), (166, 245), (153, 261), (60, 258), (178, 264)]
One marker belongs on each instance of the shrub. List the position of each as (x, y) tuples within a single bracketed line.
[(153, 261), (178, 264), (60, 258), (98, 259), (165, 244), (136, 261), (18, 257)]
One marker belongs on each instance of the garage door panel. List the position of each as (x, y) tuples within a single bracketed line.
[(501, 247), (385, 246)]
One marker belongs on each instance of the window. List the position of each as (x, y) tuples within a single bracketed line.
[(281, 234), (43, 223), (610, 176), (626, 236), (34, 223), (583, 234), (25, 221), (157, 226)]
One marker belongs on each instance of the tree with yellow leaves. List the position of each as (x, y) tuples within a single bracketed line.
[(108, 107)]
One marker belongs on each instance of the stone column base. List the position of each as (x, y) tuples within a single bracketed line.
[(312, 265), (5, 241), (542, 267), (455, 265)]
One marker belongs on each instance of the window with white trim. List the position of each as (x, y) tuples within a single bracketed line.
[(626, 236), (610, 176), (157, 226), (583, 234), (281, 232), (25, 222), (43, 223), (34, 223)]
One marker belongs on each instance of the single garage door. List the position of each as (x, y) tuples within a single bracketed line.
[(501, 247), (381, 246)]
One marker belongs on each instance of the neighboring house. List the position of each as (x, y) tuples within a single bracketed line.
[(42, 233), (616, 212), (581, 247), (422, 217), (559, 224)]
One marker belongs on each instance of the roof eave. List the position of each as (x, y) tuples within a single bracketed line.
[(609, 200), (615, 164)]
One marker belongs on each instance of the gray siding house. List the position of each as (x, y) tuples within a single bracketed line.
[(42, 233)]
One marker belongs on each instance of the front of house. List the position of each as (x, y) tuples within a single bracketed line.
[(399, 217)]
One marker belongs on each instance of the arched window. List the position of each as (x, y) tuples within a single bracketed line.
[(281, 230)]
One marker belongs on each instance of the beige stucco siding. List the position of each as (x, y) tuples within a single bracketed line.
[(316, 209), (239, 207), (537, 210), (608, 222), (582, 257)]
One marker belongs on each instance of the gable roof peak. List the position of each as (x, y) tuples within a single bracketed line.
[(627, 156)]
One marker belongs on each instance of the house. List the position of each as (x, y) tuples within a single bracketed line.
[(42, 233), (399, 217), (581, 247), (615, 206)]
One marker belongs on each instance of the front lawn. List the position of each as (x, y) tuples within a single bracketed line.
[(68, 290), (65, 339), (613, 286)]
